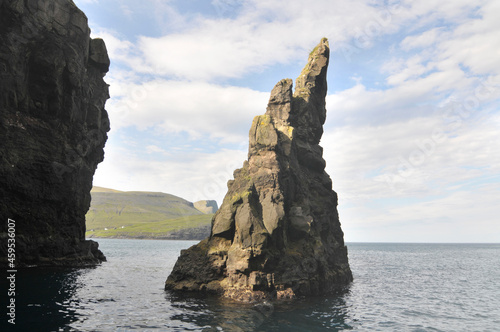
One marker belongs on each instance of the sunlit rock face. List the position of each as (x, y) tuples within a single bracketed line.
[(277, 233), (53, 127)]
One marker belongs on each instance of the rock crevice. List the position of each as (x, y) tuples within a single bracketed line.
[(277, 233), (53, 127)]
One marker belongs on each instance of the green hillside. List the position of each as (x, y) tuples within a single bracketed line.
[(137, 214)]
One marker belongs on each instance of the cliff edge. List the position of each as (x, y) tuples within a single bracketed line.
[(53, 127), (277, 233), (206, 206)]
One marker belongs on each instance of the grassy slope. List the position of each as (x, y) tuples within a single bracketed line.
[(141, 215)]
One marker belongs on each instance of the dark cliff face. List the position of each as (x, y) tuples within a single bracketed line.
[(277, 233), (53, 129)]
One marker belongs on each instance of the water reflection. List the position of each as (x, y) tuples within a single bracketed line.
[(392, 290), (213, 314), (312, 314), (126, 293), (43, 299)]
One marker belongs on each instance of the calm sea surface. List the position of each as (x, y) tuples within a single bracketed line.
[(397, 287)]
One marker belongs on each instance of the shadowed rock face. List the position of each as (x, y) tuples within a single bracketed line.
[(277, 233), (53, 129)]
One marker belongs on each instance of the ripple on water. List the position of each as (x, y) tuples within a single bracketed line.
[(397, 287)]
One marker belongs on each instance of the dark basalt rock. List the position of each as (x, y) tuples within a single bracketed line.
[(277, 233), (53, 129)]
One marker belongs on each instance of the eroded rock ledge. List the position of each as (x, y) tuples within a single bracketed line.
[(277, 233), (53, 129)]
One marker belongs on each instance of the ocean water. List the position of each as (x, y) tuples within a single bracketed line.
[(397, 287)]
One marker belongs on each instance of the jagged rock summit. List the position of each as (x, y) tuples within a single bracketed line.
[(277, 233), (53, 129)]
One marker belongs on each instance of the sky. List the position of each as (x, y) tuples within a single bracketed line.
[(411, 139)]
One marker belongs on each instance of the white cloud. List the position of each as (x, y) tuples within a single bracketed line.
[(426, 39), (194, 176), (403, 176), (126, 10), (166, 15), (440, 54), (473, 44), (413, 69), (155, 149), (458, 217), (261, 34), (476, 43), (443, 63), (359, 105), (197, 108)]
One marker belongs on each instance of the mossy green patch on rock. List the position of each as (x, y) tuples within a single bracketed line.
[(264, 133), (237, 198)]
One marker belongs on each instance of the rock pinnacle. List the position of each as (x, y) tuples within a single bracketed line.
[(277, 233)]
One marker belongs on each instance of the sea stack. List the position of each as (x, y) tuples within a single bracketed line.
[(53, 127), (277, 233)]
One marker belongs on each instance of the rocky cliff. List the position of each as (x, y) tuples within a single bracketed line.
[(52, 130), (206, 206), (277, 233)]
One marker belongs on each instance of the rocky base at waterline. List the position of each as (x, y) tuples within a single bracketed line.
[(277, 233), (53, 127)]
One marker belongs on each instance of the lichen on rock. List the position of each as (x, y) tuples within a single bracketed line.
[(277, 233), (53, 127)]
